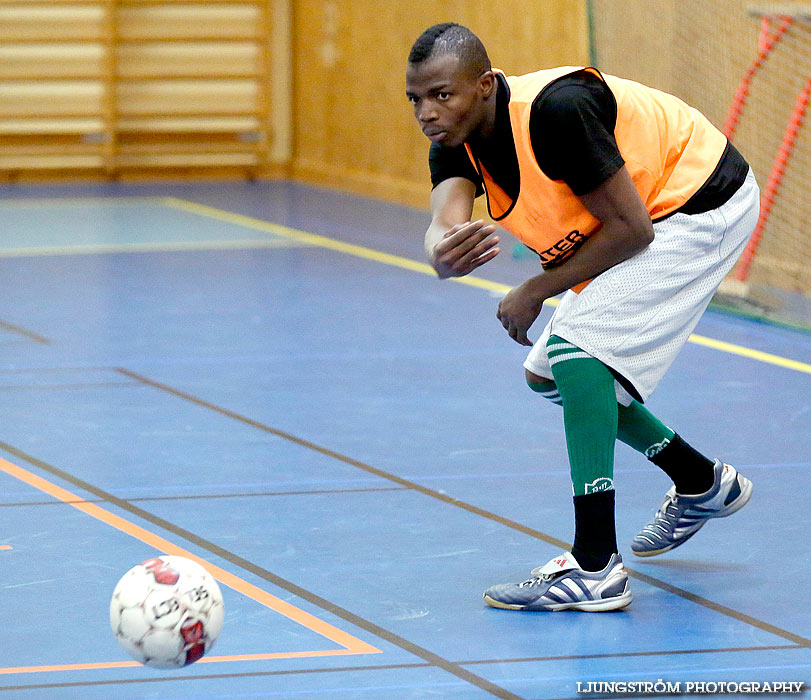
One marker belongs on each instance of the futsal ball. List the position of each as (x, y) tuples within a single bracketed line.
[(167, 612)]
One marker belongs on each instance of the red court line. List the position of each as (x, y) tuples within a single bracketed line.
[(350, 644)]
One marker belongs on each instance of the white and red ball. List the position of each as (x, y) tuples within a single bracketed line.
[(167, 612)]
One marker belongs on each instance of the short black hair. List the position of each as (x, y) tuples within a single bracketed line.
[(455, 39)]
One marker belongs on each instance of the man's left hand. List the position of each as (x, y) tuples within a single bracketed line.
[(518, 310)]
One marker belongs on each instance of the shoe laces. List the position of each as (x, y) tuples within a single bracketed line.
[(666, 517), (536, 580)]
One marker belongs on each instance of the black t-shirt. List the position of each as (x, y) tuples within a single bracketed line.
[(571, 128)]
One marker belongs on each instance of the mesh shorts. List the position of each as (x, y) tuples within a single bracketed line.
[(636, 316)]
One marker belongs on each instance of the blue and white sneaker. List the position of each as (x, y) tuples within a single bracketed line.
[(563, 585), (681, 517)]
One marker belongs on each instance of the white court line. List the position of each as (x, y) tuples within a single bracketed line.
[(57, 202), (108, 248)]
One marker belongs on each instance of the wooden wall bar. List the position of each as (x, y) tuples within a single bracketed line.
[(111, 87), (52, 91), (353, 127)]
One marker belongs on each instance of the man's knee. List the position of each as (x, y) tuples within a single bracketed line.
[(533, 378), (543, 386)]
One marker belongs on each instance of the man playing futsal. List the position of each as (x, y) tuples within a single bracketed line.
[(637, 207)]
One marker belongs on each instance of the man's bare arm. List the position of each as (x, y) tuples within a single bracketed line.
[(455, 245), (626, 230)]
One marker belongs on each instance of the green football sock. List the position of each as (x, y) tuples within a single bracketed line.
[(590, 415), (547, 389), (637, 427), (641, 430)]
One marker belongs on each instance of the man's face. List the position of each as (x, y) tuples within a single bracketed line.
[(449, 104)]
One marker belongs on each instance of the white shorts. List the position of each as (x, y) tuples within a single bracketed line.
[(636, 316)]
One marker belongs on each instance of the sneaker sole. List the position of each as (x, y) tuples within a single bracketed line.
[(734, 507), (605, 605)]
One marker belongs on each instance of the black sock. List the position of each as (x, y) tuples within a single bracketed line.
[(595, 538), (690, 470)]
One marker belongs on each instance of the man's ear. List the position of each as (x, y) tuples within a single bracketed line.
[(487, 84)]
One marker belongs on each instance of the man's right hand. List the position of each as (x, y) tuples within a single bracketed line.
[(464, 248)]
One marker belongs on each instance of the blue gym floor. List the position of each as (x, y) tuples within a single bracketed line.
[(267, 377)]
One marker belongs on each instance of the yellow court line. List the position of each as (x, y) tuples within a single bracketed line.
[(350, 644), (305, 238), (5, 546), (423, 268), (750, 353), (314, 239)]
